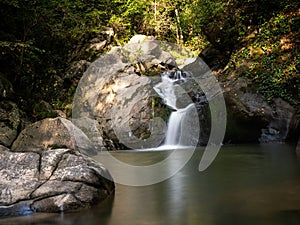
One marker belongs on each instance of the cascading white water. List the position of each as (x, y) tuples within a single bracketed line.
[(173, 131), (167, 91)]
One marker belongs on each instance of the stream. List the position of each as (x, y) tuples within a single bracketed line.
[(246, 184)]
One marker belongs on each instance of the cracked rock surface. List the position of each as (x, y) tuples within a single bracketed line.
[(55, 180)]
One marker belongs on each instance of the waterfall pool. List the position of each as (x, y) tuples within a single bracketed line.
[(245, 185)]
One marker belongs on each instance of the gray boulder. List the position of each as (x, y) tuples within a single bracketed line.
[(247, 112), (9, 122), (56, 180), (132, 115), (53, 133), (116, 92), (90, 129), (252, 119)]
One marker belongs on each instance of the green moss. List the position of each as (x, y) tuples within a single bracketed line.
[(43, 110), (159, 109)]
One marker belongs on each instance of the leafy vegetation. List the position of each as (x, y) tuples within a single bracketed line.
[(39, 40), (272, 56)]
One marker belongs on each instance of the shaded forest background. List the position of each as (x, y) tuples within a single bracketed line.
[(40, 40)]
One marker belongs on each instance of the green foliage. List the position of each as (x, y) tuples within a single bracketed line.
[(167, 20), (42, 110), (159, 109), (39, 39), (273, 56), (127, 19)]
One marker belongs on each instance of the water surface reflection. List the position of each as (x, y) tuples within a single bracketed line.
[(244, 185)]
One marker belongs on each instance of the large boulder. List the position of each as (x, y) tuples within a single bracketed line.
[(53, 133), (252, 119), (9, 122), (245, 117), (56, 180), (116, 92)]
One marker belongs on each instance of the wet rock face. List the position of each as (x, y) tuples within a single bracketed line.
[(52, 181)]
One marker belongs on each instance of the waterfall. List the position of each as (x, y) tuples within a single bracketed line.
[(173, 131), (178, 124)]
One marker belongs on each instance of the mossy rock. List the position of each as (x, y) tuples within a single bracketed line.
[(44, 110)]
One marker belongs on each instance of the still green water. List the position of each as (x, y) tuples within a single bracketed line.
[(255, 185)]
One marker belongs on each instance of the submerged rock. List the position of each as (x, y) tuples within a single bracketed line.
[(56, 180)]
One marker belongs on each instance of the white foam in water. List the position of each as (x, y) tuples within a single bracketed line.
[(174, 129), (172, 147)]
